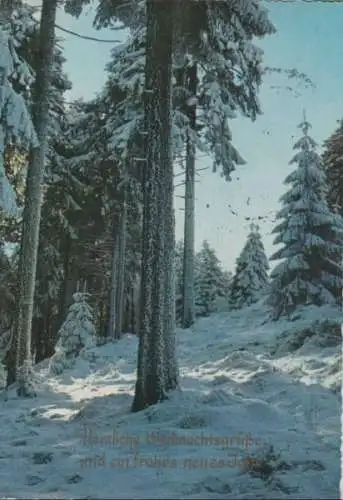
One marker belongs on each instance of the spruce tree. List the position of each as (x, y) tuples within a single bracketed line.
[(333, 166), (310, 235), (208, 279), (251, 277), (76, 333)]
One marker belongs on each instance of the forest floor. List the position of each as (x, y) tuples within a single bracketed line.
[(258, 416)]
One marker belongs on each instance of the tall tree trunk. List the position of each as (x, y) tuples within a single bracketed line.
[(188, 306), (121, 263), (150, 385), (111, 327), (169, 361), (133, 301), (9, 359), (63, 302), (126, 309), (33, 200), (51, 340), (38, 339)]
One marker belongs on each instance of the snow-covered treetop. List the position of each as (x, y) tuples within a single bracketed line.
[(251, 274), (253, 253), (15, 118), (308, 180), (305, 143), (304, 204), (217, 111), (22, 24), (24, 28), (123, 95)]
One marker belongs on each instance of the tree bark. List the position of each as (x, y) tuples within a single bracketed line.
[(188, 306), (150, 385), (33, 200)]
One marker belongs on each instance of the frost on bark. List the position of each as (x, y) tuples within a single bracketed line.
[(188, 309), (150, 385), (32, 210)]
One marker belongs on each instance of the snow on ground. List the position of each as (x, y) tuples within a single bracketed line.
[(256, 418)]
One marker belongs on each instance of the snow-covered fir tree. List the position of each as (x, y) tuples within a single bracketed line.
[(310, 235), (333, 165), (208, 280), (251, 275), (76, 333)]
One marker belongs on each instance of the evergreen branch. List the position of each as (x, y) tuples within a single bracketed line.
[(85, 37)]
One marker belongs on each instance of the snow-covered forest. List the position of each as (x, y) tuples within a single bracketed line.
[(135, 364)]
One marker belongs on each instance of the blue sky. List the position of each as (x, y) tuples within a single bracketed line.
[(309, 38)]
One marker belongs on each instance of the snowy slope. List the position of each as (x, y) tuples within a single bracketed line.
[(244, 394)]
